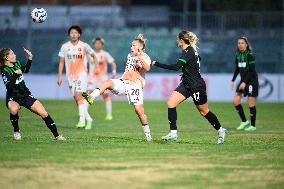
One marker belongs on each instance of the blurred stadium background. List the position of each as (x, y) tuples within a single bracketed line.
[(217, 23)]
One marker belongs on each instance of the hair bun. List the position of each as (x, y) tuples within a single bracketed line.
[(141, 37)]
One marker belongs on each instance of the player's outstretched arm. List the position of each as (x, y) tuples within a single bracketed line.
[(30, 55), (60, 70), (174, 67), (26, 68)]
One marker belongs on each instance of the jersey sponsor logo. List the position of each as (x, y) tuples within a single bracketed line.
[(5, 79), (74, 56), (242, 64), (19, 80)]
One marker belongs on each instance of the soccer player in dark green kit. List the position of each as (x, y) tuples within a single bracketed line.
[(18, 94), (192, 85), (248, 86)]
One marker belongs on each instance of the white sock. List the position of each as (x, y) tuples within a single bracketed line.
[(174, 131), (146, 128), (108, 108), (221, 129), (87, 115), (95, 93), (81, 108)]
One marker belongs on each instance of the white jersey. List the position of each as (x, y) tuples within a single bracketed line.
[(99, 71), (75, 57), (133, 70)]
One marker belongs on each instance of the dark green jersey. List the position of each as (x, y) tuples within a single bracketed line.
[(245, 65), (15, 84), (191, 76)]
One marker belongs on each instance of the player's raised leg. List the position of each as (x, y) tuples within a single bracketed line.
[(90, 97)]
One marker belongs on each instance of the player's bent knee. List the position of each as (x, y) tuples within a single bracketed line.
[(171, 104), (236, 101), (203, 113), (43, 114), (251, 102), (14, 110)]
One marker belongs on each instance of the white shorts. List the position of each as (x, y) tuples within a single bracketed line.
[(134, 93), (79, 85)]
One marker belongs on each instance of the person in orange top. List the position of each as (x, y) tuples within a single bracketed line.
[(131, 83), (98, 73), (74, 55)]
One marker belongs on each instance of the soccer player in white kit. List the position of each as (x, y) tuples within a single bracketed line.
[(98, 73), (74, 54), (131, 83)]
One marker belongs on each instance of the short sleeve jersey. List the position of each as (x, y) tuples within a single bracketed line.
[(75, 57), (133, 69), (99, 71)]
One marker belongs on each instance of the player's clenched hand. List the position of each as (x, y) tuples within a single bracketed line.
[(19, 72), (232, 85), (30, 55), (59, 81), (153, 63)]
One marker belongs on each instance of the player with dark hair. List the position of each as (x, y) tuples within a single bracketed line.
[(192, 85), (18, 94), (74, 55), (75, 27), (248, 86)]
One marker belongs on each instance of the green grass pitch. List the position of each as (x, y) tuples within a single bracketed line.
[(114, 154)]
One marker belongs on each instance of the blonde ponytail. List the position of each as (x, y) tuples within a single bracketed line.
[(189, 38)]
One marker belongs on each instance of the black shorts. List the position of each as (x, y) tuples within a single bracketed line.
[(250, 90), (198, 95), (26, 101)]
